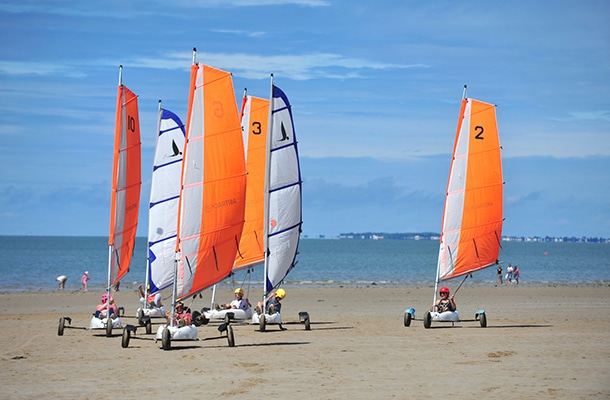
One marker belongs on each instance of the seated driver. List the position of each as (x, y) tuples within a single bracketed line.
[(445, 303)]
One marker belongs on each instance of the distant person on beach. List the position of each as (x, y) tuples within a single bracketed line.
[(101, 311), (509, 273), (445, 303), (274, 304), (84, 280), (61, 281), (499, 276), (516, 275)]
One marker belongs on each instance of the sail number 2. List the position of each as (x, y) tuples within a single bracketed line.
[(479, 130)]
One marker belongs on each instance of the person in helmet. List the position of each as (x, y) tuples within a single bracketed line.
[(274, 304), (239, 303), (101, 311), (445, 303)]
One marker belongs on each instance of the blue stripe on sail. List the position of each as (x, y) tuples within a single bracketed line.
[(156, 167), (285, 186), (297, 225), (160, 241), (151, 205)]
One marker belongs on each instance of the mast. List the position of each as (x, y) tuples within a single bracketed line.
[(266, 201)]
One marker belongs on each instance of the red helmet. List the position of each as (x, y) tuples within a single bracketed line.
[(444, 289)]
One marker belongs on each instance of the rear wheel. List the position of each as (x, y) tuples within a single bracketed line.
[(60, 328), (166, 339), (483, 320), (427, 319), (262, 324), (139, 316), (126, 337), (407, 319), (148, 326), (307, 324)]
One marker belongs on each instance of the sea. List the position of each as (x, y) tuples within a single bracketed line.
[(32, 264)]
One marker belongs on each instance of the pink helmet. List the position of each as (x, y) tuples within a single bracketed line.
[(105, 298)]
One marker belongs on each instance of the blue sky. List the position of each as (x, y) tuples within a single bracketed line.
[(375, 88)]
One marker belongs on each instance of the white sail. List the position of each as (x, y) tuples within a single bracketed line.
[(283, 211), (164, 198)]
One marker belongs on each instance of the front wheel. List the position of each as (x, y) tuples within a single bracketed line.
[(60, 328), (427, 319), (483, 320), (262, 324), (230, 337), (407, 319), (166, 339), (126, 337), (148, 327), (108, 327)]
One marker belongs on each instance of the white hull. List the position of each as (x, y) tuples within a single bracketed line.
[(188, 332), (238, 314), (152, 312), (274, 318), (100, 323), (447, 316)]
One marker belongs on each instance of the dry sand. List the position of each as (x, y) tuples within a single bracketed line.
[(540, 343)]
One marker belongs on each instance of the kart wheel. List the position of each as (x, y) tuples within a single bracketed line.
[(139, 316), (148, 326), (427, 319), (109, 327), (407, 319), (166, 339), (196, 318), (307, 324), (483, 320), (60, 328), (126, 337), (262, 324), (230, 337)]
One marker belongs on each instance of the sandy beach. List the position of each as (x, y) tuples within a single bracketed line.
[(540, 343)]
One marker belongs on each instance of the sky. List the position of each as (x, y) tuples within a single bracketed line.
[(375, 88)]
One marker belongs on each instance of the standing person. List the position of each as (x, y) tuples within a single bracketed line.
[(516, 274), (84, 280), (509, 273), (499, 276)]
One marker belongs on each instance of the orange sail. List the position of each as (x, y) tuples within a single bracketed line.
[(126, 182), (472, 219), (254, 116), (213, 184)]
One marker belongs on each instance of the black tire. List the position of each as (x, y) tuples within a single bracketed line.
[(166, 339), (262, 324), (307, 324), (427, 319), (126, 337), (60, 328), (139, 316), (230, 337), (407, 319), (109, 327), (196, 318), (148, 327), (483, 320)]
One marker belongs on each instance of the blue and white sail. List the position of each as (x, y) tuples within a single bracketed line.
[(164, 197), (283, 207)]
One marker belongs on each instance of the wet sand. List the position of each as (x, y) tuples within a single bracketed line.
[(540, 343)]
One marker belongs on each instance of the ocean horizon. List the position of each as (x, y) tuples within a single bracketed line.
[(32, 263)]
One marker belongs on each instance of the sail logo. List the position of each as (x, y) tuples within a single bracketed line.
[(221, 204)]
